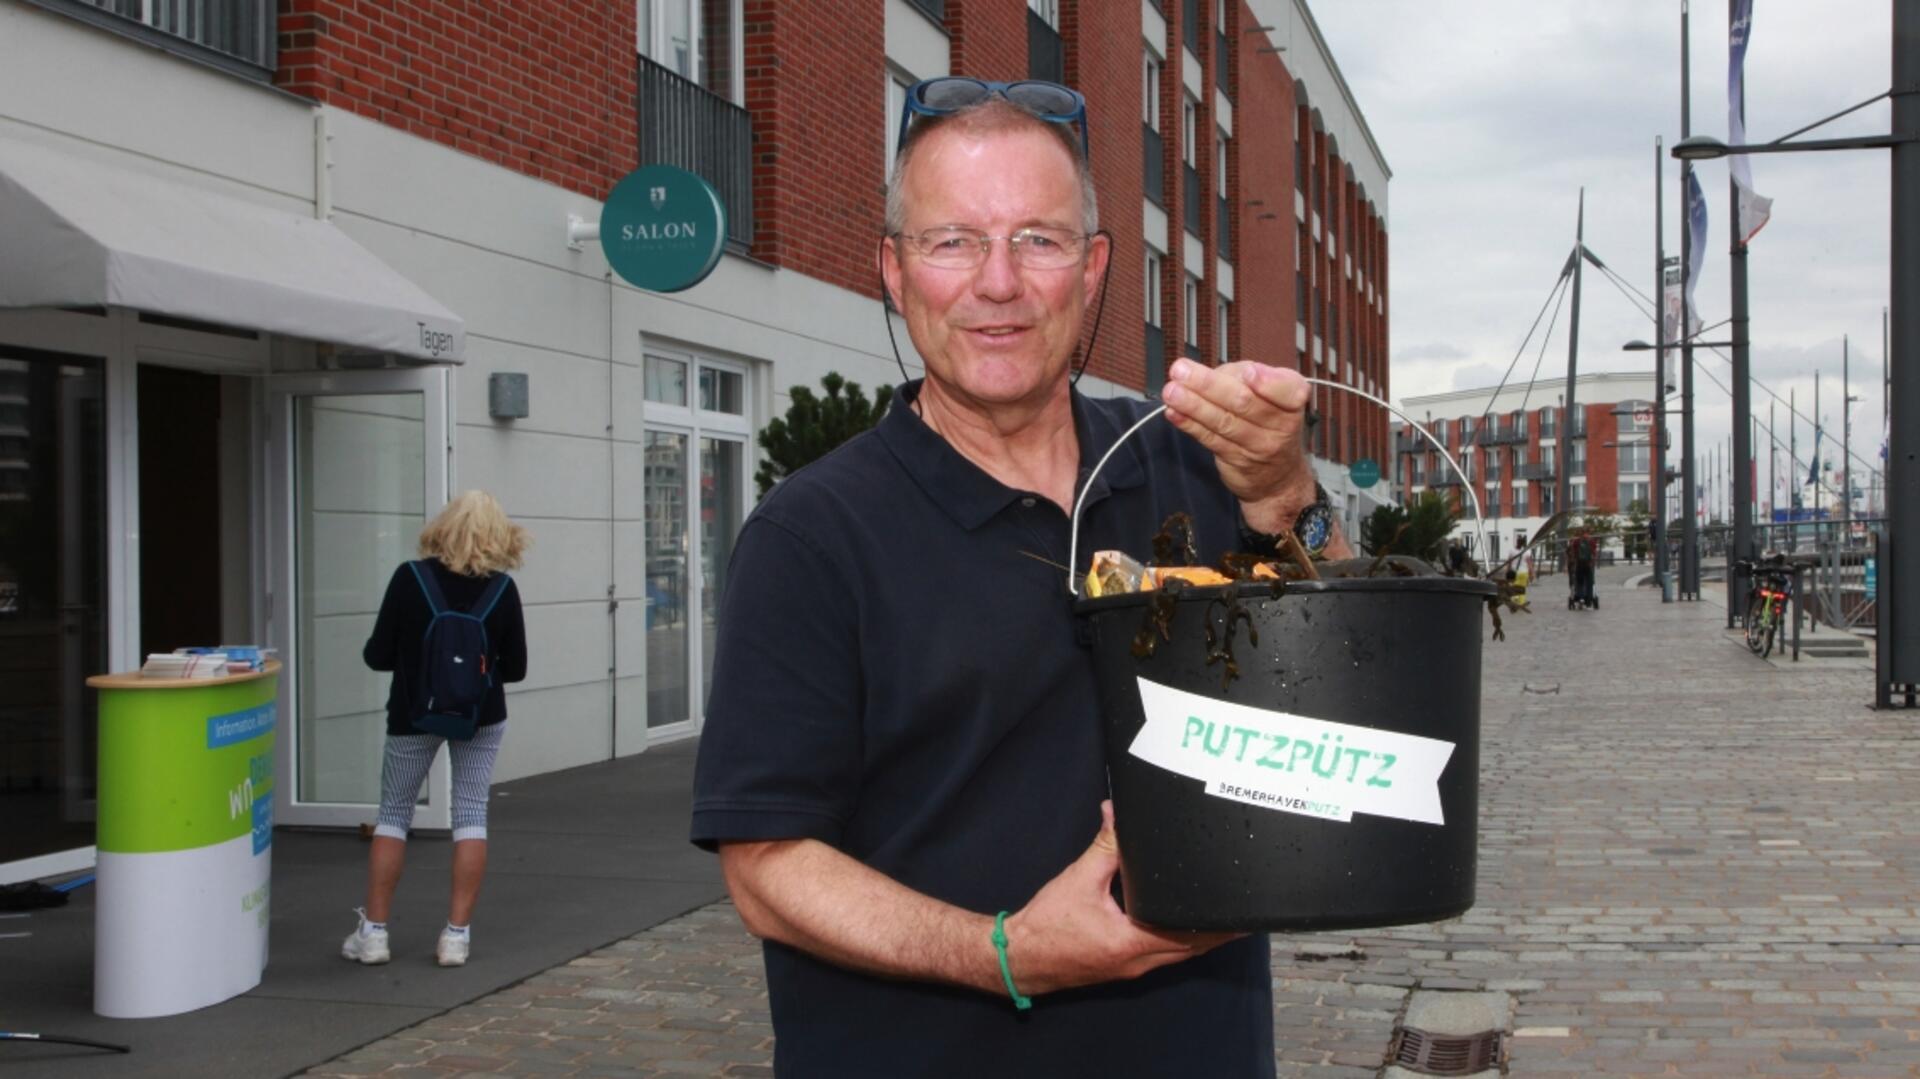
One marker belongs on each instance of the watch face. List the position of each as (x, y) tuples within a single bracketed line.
[(1314, 528)]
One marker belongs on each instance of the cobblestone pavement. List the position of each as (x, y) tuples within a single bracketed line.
[(1693, 862)]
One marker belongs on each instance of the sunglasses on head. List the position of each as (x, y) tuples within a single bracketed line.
[(947, 95)]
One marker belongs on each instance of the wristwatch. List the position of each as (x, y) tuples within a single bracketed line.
[(1313, 527)]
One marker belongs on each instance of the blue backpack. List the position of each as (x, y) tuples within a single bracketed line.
[(455, 661)]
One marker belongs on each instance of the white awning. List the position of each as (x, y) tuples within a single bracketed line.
[(76, 233)]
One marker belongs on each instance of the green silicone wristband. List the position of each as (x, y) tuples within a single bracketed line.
[(1006, 972)]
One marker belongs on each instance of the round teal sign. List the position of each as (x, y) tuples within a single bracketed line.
[(1365, 472), (663, 228)]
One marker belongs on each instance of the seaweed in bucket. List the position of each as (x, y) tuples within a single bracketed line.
[(1174, 569)]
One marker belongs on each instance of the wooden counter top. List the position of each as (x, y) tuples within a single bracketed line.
[(135, 680)]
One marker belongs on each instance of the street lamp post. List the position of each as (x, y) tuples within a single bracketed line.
[(1897, 658), (1689, 487), (1658, 496)]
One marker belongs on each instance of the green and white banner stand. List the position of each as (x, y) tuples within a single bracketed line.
[(185, 840)]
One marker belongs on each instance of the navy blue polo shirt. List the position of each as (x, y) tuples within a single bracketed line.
[(897, 674)]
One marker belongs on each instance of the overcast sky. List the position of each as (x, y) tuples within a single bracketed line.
[(1493, 114)]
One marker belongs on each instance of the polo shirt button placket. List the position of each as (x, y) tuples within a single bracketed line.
[(1027, 501)]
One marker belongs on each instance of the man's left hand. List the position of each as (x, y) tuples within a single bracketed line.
[(1252, 416)]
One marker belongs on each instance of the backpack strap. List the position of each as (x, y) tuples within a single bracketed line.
[(436, 600), (491, 597)]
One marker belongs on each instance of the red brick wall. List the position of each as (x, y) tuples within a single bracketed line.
[(816, 92), (1603, 461), (1264, 256), (1103, 63), (989, 38), (546, 90)]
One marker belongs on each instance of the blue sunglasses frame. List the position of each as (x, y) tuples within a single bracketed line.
[(1006, 91)]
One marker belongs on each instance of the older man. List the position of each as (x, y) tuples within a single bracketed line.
[(902, 767)]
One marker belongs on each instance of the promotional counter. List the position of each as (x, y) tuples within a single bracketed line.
[(185, 840)]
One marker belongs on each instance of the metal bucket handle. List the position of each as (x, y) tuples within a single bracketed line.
[(1073, 546)]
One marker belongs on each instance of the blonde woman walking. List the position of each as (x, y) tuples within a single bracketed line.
[(450, 629)]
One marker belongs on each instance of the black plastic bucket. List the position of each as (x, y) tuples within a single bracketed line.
[(1332, 784)]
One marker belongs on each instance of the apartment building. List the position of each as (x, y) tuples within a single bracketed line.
[(1509, 446), (263, 264)]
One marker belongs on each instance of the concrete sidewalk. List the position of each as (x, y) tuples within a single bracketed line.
[(578, 859), (1693, 862)]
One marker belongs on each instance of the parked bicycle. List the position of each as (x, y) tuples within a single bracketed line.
[(1767, 599)]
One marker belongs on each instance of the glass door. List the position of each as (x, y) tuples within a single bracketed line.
[(53, 596), (695, 456), (358, 463)]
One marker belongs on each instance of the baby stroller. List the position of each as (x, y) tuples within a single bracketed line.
[(1580, 574), (1580, 588)]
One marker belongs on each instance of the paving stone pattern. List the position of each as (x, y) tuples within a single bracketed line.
[(1693, 862)]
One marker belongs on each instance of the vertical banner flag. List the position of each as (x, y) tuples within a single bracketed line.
[(1813, 466), (1753, 208), (1672, 300), (1697, 239)]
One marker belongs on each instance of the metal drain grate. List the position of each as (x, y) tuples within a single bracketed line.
[(1445, 1054)]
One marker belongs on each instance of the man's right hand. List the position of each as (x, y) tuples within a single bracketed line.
[(1072, 933)]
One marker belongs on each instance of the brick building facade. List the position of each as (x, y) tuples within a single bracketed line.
[(381, 286), (1512, 445)]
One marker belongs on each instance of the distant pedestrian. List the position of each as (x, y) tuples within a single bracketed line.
[(465, 552)]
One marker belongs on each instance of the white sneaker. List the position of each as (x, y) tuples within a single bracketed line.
[(365, 944), (452, 949)]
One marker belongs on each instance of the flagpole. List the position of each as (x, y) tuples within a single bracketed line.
[(1689, 453), (1846, 444), (1738, 29)]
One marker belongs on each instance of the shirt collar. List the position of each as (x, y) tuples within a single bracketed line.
[(966, 492)]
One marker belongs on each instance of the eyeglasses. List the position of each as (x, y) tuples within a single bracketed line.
[(953, 248), (947, 95)]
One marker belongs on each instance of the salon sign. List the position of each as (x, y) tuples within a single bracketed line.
[(1292, 763), (663, 228)]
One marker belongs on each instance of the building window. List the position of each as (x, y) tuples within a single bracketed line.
[(1492, 507), (1189, 128), (1577, 493), (1154, 267), (697, 40), (1220, 164), (1150, 67), (1634, 457), (1152, 146), (1221, 313), (898, 82), (1192, 311), (1631, 493), (1046, 52)]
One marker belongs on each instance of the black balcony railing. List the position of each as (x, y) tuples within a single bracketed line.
[(1046, 53), (1222, 229), (1153, 162), (1193, 197), (1500, 434), (1408, 442), (684, 125), (239, 34), (1156, 358), (1535, 470)]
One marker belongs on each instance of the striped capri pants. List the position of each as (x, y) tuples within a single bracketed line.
[(404, 767)]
